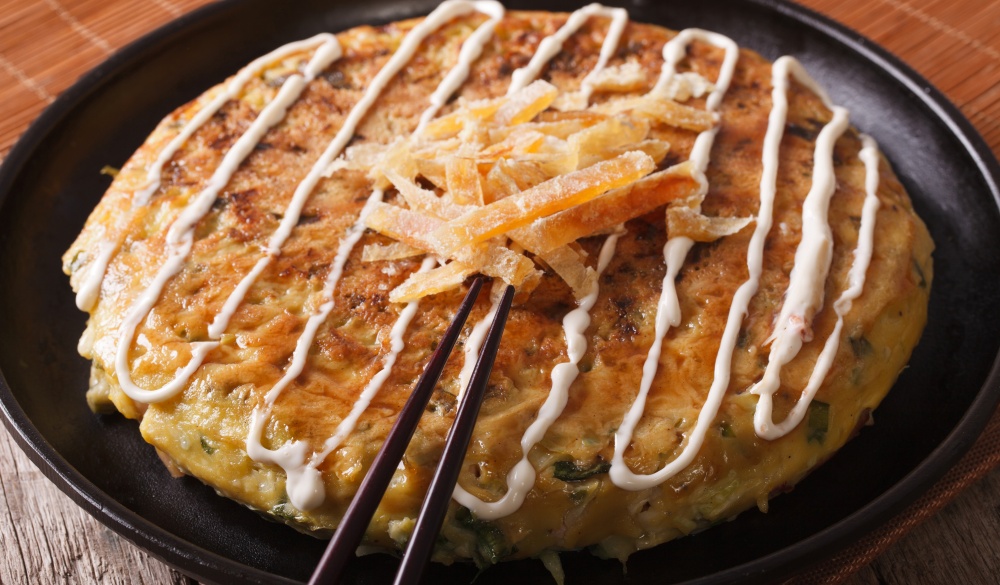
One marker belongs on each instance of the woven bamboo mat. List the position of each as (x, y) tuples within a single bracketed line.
[(45, 45)]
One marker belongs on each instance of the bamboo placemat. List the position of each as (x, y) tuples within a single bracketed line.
[(45, 45)]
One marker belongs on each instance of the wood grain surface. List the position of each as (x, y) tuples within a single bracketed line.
[(45, 538)]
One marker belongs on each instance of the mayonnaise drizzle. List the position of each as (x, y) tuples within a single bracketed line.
[(804, 296), (471, 49), (547, 49), (475, 342), (856, 282), (304, 484), (668, 309), (522, 477), (551, 45), (180, 235), (90, 288), (673, 52)]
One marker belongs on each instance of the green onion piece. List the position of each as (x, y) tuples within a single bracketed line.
[(861, 346), (569, 471), (920, 272), (819, 421), (491, 544)]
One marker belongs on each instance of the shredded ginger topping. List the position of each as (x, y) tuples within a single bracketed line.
[(503, 186)]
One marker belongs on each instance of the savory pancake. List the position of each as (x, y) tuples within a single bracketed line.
[(718, 277)]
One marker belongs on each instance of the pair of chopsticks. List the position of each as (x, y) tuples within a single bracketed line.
[(418, 551)]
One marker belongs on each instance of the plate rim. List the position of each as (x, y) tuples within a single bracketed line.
[(206, 565)]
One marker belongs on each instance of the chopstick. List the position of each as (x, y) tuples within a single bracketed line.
[(352, 527), (421, 544), (348, 535)]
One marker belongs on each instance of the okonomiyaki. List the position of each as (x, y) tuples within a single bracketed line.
[(718, 277)]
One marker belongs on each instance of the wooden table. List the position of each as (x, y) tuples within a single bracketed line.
[(45, 538)]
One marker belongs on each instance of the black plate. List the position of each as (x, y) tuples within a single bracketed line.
[(50, 182)]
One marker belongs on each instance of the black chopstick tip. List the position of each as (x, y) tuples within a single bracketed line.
[(432, 513), (345, 540)]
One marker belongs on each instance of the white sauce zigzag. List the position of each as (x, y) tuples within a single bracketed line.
[(180, 236), (551, 45), (668, 311), (856, 282), (90, 288), (522, 477), (547, 49), (804, 296)]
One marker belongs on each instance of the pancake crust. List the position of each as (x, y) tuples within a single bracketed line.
[(203, 430)]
